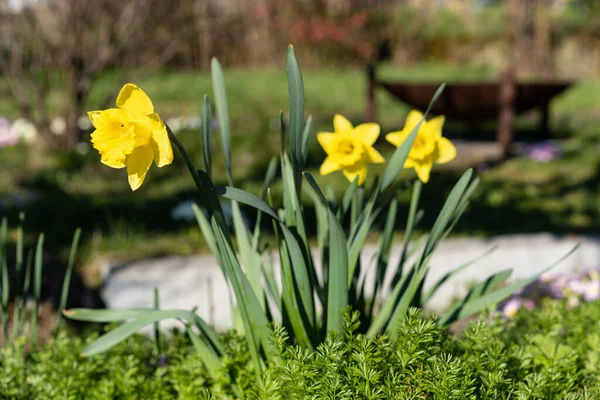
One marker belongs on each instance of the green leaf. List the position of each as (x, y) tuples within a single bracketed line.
[(337, 291), (385, 248), (410, 225), (269, 178), (253, 316), (347, 199), (480, 303), (211, 361), (306, 139), (37, 289), (358, 239), (222, 113), (296, 94), (67, 280), (26, 282), (122, 332), (446, 214), (156, 301), (5, 296), (250, 258), (18, 273), (294, 313), (105, 315), (246, 198), (206, 229), (429, 294), (206, 130)]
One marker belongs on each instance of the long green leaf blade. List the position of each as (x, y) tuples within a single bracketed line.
[(337, 291), (206, 131), (67, 280), (37, 289), (431, 292), (480, 303), (296, 94), (246, 198), (222, 113)]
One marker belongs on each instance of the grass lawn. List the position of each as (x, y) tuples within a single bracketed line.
[(69, 190)]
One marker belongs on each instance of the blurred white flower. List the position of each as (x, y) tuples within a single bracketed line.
[(572, 302), (576, 286), (58, 126), (591, 290), (25, 130), (193, 122), (84, 123), (174, 124)]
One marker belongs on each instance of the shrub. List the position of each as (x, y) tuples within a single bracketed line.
[(551, 353)]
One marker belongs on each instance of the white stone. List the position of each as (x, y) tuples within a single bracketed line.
[(197, 281)]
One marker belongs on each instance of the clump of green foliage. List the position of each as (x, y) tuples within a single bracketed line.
[(549, 353)]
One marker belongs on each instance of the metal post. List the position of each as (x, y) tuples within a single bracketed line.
[(506, 114), (370, 109)]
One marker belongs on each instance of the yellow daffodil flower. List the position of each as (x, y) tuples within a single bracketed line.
[(131, 135), (349, 148), (429, 146)]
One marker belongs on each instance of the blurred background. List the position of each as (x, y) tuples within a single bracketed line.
[(62, 58)]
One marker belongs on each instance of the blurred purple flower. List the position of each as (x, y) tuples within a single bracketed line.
[(556, 290), (543, 152)]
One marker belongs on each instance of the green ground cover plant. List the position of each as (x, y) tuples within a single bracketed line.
[(550, 353)]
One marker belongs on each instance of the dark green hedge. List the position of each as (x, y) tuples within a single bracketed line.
[(548, 353)]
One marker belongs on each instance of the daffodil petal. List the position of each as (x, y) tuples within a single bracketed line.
[(435, 125), (114, 137), (368, 132), (423, 171), (341, 124), (161, 145), (134, 99), (327, 141), (138, 164), (375, 156), (351, 173), (412, 119), (329, 166), (397, 138), (446, 151), (409, 163)]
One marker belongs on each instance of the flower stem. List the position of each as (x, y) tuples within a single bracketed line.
[(186, 158)]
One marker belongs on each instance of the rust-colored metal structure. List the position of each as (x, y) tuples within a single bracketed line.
[(500, 101)]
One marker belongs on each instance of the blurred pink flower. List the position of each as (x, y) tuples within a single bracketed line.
[(511, 308), (529, 304)]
